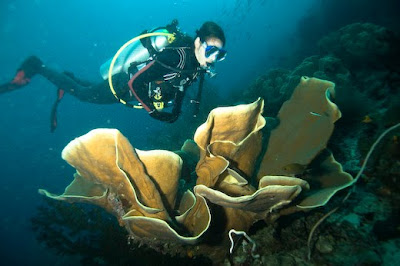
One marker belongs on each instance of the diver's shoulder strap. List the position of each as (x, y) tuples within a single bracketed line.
[(146, 42)]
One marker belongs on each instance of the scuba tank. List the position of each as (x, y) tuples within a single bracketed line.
[(136, 53)]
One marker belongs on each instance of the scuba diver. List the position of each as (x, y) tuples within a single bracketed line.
[(154, 71)]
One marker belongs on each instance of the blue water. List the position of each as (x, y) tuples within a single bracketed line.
[(79, 36)]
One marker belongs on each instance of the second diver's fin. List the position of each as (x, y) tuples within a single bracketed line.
[(30, 67), (53, 116), (19, 81)]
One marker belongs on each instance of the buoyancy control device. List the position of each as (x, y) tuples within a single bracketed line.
[(136, 53)]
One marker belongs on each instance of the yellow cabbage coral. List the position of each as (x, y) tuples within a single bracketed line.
[(140, 187)]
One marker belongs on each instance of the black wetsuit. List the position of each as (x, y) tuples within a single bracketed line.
[(175, 69)]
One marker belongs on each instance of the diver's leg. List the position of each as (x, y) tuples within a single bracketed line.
[(78, 80), (83, 90), (66, 81), (33, 66)]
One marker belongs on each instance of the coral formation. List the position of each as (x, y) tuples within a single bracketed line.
[(362, 44), (140, 188)]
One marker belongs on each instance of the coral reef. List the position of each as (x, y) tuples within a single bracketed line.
[(361, 59), (140, 188), (362, 44)]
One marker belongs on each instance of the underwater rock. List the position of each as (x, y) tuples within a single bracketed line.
[(324, 245), (362, 43)]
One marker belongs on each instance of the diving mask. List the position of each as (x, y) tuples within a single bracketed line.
[(211, 50)]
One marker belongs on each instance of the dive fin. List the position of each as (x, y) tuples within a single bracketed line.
[(53, 115)]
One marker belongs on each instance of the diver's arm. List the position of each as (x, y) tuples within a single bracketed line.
[(148, 105), (165, 117), (176, 110)]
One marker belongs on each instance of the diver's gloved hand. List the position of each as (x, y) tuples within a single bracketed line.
[(166, 117), (31, 66)]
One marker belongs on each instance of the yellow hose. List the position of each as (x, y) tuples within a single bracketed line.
[(170, 39)]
